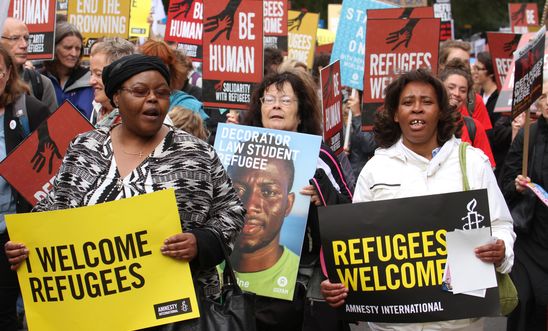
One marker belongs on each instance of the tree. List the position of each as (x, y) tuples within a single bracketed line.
[(472, 16)]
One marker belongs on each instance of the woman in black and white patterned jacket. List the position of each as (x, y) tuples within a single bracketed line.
[(142, 155)]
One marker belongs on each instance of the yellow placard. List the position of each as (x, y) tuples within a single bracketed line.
[(333, 15), (100, 18), (138, 21), (100, 267), (325, 37), (301, 36)]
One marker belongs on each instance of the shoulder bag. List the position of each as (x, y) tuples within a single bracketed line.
[(508, 295), (235, 312)]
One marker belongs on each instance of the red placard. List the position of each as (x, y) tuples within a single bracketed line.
[(233, 52), (522, 16), (408, 12), (446, 30), (31, 167), (502, 47), (528, 73), (39, 16), (504, 101), (275, 24), (185, 26), (395, 46), (332, 106)]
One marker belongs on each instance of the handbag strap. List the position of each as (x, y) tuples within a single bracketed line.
[(462, 161), (229, 278)]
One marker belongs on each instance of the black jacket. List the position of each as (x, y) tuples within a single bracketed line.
[(537, 171), (37, 112)]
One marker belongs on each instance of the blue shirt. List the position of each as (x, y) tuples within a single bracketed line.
[(7, 203)]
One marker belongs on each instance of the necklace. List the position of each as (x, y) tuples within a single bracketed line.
[(140, 153)]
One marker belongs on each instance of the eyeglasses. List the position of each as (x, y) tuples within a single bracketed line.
[(479, 68), (13, 39), (270, 100), (144, 91)]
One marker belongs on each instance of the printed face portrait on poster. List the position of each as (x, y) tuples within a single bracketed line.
[(268, 168)]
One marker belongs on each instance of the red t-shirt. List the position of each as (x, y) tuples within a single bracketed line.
[(481, 141), (480, 112)]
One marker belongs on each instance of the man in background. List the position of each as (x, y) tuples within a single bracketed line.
[(15, 38)]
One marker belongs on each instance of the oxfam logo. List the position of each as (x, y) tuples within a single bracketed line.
[(282, 281)]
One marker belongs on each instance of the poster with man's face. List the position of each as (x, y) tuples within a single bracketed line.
[(268, 169)]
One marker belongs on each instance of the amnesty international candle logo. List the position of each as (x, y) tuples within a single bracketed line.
[(268, 168), (392, 260), (473, 219)]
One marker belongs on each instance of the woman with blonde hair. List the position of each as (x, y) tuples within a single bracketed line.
[(189, 121)]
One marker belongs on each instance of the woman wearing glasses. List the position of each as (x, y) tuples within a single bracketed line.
[(131, 158), (20, 114), (287, 101), (483, 75), (504, 129)]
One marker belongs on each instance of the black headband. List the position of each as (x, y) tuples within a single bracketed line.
[(116, 73)]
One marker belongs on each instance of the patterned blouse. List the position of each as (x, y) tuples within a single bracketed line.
[(111, 186), (204, 193)]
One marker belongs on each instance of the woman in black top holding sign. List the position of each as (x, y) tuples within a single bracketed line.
[(530, 272), (288, 101)]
